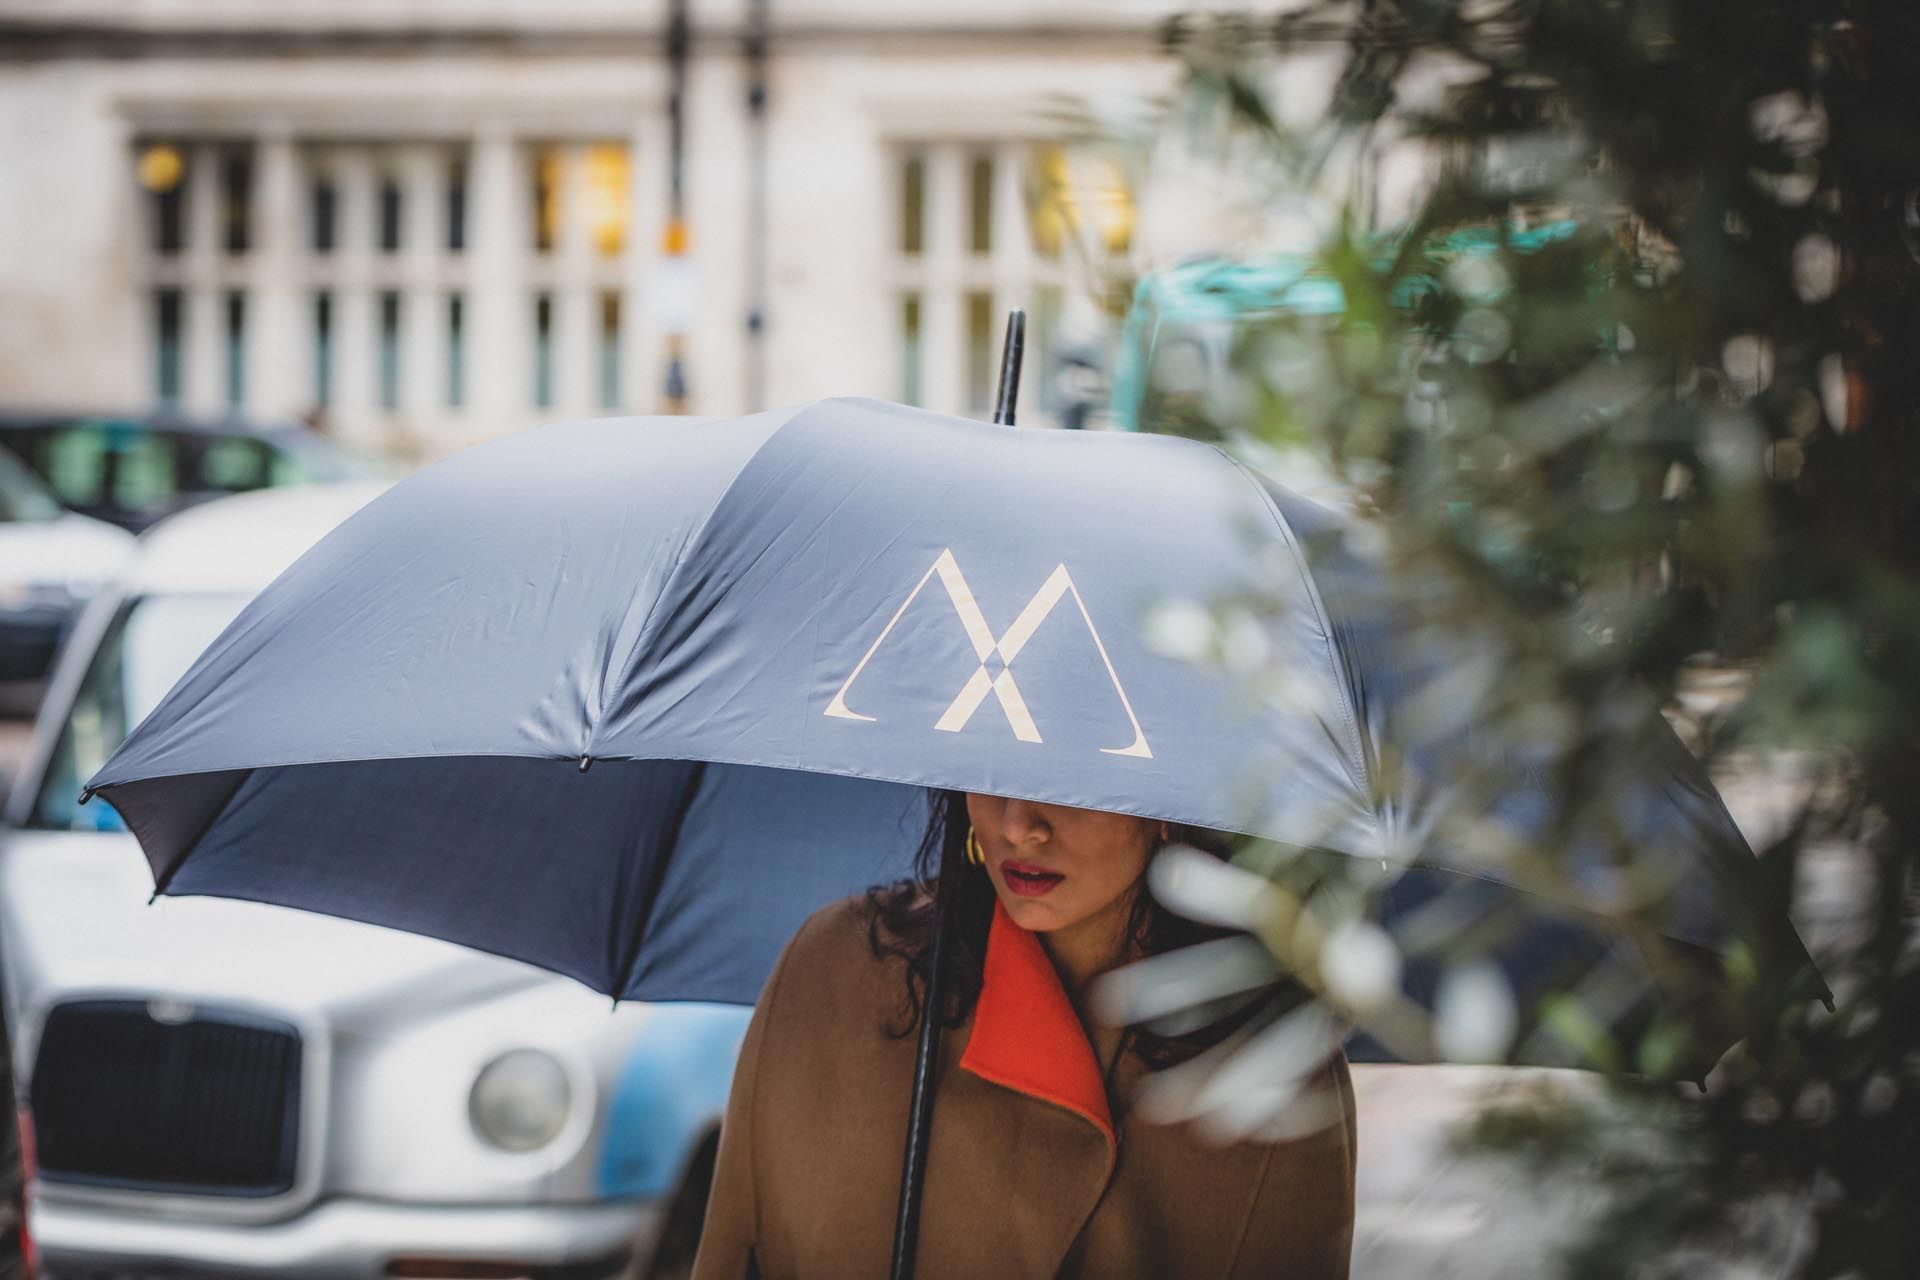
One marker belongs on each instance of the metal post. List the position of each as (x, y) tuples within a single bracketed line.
[(756, 50), (913, 1171), (674, 249)]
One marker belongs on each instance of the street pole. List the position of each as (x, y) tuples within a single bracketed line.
[(755, 46), (675, 267)]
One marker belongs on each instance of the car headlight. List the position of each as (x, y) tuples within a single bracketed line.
[(520, 1100)]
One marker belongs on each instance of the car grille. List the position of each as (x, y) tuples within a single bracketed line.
[(204, 1101)]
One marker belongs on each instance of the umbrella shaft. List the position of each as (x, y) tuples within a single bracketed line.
[(906, 1227), (1011, 352)]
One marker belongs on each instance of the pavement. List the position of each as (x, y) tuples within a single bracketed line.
[(1426, 1209)]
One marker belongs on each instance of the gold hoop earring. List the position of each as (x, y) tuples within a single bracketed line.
[(974, 853)]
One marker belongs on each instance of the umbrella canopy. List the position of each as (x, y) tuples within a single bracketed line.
[(627, 698)]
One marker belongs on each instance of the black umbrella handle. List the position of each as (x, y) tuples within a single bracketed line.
[(1011, 352), (913, 1174)]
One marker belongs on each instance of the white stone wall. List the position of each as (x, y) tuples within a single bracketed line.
[(67, 320), (850, 80)]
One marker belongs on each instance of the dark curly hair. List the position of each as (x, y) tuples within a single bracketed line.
[(901, 917)]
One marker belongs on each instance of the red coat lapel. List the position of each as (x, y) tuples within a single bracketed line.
[(1026, 1036)]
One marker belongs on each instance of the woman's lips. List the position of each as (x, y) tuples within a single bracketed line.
[(1027, 880)]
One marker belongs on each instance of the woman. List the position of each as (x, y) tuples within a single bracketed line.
[(1036, 1166)]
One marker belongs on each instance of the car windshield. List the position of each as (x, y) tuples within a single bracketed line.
[(148, 646), (21, 496), (133, 472)]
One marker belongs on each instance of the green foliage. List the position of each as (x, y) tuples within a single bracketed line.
[(1682, 438)]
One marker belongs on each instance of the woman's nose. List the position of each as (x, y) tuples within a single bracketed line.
[(1024, 823)]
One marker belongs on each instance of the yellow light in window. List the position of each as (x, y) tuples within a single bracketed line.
[(1047, 213), (607, 197), (1079, 197), (546, 198), (161, 167), (1109, 204)]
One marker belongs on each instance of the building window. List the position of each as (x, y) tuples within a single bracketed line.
[(980, 204), (378, 319), (546, 198), (236, 344), (910, 348), (456, 351), (1053, 388), (236, 197), (323, 212), (323, 348), (913, 205), (390, 210), (980, 354), (609, 198), (166, 346), (456, 207), (581, 194), (389, 349), (983, 228), (543, 351), (162, 171), (609, 351), (1082, 197)]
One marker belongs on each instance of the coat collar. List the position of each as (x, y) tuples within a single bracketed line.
[(1026, 1036)]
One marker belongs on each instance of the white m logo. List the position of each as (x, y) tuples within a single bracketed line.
[(1007, 646)]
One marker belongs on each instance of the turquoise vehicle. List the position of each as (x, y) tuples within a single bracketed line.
[(1188, 323)]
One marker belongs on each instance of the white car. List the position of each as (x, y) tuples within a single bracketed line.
[(225, 1086)]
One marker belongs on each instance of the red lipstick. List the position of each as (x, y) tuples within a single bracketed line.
[(1028, 880)]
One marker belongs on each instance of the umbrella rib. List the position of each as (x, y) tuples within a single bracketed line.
[(161, 882), (1357, 741), (656, 880), (669, 580)]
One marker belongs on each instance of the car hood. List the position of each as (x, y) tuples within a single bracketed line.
[(75, 920), (69, 549)]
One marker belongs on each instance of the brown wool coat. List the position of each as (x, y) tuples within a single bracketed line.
[(1036, 1168)]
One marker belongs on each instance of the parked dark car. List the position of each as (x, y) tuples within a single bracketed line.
[(133, 470), (51, 562)]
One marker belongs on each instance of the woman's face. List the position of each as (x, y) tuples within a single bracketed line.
[(1054, 867)]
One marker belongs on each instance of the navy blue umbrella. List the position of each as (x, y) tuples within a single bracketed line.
[(627, 698), (503, 700), (497, 702)]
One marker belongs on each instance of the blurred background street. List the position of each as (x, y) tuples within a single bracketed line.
[(261, 258)]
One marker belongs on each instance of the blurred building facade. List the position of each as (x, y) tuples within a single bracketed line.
[(426, 222)]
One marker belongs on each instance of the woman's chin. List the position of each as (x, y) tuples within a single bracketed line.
[(1035, 915)]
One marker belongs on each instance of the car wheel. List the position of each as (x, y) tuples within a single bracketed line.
[(680, 1233)]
